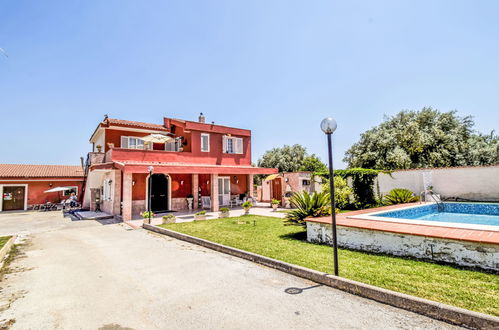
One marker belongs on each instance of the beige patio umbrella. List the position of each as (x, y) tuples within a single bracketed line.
[(157, 138)]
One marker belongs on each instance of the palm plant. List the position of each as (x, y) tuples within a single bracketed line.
[(308, 205), (399, 196)]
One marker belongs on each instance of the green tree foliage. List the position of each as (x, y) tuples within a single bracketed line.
[(399, 196), (362, 183), (342, 191), (291, 159), (313, 163), (307, 205), (425, 138)]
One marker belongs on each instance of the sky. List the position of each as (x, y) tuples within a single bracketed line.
[(275, 67)]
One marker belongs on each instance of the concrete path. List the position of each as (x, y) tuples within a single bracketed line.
[(87, 275)]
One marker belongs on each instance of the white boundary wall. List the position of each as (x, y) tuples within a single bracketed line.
[(470, 183)]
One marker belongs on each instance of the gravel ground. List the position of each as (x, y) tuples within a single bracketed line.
[(91, 275)]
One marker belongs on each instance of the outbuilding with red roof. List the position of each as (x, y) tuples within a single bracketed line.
[(23, 186)]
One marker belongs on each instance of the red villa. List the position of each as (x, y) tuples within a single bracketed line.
[(189, 159)]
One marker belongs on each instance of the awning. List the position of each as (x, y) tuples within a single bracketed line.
[(271, 177), (56, 189)]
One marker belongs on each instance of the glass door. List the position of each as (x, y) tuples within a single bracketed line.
[(223, 191)]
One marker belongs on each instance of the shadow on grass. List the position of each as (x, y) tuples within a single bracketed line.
[(299, 236)]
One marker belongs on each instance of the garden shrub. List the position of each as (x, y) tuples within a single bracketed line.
[(308, 205), (342, 191), (399, 196)]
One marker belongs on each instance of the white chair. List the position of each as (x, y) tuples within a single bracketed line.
[(205, 202)]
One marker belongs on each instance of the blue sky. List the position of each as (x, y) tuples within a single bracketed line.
[(275, 67)]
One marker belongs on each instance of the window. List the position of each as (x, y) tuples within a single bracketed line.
[(173, 145), (232, 145), (130, 142), (70, 191), (305, 182), (205, 142)]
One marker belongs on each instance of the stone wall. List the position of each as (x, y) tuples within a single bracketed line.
[(138, 206), (462, 253), (179, 204)]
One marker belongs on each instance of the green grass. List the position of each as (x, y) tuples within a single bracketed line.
[(473, 290), (4, 240)]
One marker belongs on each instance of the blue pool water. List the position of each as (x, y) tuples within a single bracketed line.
[(472, 213)]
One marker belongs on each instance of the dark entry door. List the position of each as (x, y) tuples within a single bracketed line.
[(13, 198), (277, 189), (159, 193)]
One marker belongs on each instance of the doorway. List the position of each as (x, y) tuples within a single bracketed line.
[(223, 191), (277, 189), (13, 198), (160, 193)]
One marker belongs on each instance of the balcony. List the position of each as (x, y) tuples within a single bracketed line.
[(160, 156)]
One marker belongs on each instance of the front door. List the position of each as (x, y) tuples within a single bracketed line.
[(277, 189), (13, 198), (159, 193), (223, 191)]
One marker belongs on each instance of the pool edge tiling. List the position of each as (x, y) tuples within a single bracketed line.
[(364, 220)]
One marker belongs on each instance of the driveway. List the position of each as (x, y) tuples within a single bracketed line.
[(88, 275)]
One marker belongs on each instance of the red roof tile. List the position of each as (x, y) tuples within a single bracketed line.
[(39, 171), (135, 124)]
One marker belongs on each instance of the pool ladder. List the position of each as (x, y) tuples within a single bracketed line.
[(440, 204)]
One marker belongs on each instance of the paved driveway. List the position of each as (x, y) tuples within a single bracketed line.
[(87, 275)]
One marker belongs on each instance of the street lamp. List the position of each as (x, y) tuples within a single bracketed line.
[(151, 170), (328, 126)]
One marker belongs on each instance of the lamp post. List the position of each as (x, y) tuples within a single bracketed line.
[(328, 126), (151, 170)]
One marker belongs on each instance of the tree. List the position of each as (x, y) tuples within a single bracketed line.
[(425, 138), (313, 163), (286, 159)]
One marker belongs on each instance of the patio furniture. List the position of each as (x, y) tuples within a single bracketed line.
[(236, 201), (205, 202)]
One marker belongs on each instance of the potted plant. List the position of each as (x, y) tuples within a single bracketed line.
[(201, 215), (169, 218), (224, 212), (146, 215), (99, 148), (246, 206), (190, 200), (275, 203)]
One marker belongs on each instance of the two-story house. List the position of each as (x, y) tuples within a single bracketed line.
[(187, 159)]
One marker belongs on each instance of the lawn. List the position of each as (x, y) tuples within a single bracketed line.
[(4, 240), (473, 290)]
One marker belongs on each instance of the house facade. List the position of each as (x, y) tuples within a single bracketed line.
[(22, 186), (187, 159)]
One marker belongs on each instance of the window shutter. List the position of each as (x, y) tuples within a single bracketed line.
[(124, 142), (224, 144), (239, 145)]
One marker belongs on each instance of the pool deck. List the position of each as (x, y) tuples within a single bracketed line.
[(447, 232)]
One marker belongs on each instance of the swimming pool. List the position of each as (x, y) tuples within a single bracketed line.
[(465, 213)]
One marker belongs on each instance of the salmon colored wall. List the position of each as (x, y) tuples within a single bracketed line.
[(192, 150), (139, 188), (36, 194), (181, 190), (114, 136), (205, 188), (240, 187)]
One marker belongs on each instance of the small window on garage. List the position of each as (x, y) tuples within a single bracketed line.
[(305, 182)]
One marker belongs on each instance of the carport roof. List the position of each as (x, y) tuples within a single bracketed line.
[(40, 171)]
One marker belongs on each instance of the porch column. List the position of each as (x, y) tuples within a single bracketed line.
[(195, 190), (250, 185), (127, 197), (214, 192)]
